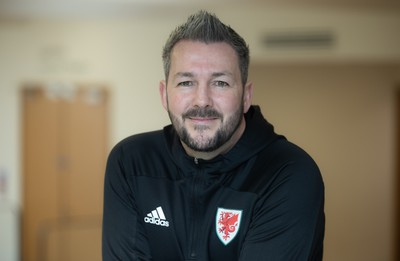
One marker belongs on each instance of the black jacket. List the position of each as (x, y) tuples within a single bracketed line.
[(263, 200)]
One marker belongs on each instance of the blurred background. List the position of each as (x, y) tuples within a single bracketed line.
[(78, 76)]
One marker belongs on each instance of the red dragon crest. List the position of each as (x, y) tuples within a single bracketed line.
[(228, 222)]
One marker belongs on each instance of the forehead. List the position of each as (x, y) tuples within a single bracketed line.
[(191, 53)]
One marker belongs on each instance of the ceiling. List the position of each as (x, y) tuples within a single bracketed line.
[(109, 8)]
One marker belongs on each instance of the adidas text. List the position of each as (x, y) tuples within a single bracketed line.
[(156, 221)]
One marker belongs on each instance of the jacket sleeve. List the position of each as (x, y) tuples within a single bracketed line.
[(288, 221), (123, 235)]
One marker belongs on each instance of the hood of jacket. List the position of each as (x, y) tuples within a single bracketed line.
[(258, 134)]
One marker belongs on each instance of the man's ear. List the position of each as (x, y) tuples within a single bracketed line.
[(247, 96), (163, 94)]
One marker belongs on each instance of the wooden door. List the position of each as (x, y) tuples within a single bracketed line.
[(64, 154)]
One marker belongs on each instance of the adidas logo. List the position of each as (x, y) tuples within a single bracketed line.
[(157, 217)]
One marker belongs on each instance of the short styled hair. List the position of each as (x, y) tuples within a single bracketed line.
[(206, 27)]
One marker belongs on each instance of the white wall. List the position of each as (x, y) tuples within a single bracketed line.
[(125, 53)]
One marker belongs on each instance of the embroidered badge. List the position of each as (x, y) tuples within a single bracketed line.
[(227, 224)]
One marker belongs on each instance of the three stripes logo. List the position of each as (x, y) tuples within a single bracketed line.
[(157, 217)]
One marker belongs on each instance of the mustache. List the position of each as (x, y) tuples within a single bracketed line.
[(202, 113)]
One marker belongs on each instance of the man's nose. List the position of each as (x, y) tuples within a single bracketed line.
[(203, 96)]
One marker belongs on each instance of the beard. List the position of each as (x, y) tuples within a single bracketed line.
[(201, 141)]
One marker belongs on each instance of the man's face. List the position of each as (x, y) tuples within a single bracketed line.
[(205, 98)]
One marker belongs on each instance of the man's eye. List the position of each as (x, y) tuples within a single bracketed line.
[(185, 83), (221, 84)]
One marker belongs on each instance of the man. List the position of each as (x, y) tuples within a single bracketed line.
[(217, 184)]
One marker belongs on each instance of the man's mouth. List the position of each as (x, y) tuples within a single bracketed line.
[(202, 120), (202, 115)]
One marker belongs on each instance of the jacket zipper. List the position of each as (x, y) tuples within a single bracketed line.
[(195, 212)]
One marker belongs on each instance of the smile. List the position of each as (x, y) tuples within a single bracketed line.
[(201, 120)]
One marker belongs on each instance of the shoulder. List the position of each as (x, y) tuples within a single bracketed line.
[(283, 154), (298, 178), (284, 165), (291, 180), (146, 138), (139, 144)]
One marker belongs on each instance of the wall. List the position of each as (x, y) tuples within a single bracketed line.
[(343, 115), (125, 53), (115, 53)]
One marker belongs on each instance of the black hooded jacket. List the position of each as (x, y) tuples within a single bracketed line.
[(263, 200)]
